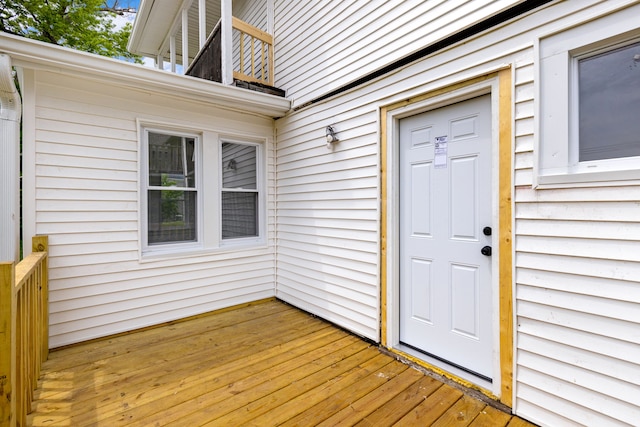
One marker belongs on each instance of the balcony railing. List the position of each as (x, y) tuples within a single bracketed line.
[(252, 58), (256, 60), (24, 331)]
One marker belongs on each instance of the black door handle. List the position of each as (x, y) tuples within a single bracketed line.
[(486, 251)]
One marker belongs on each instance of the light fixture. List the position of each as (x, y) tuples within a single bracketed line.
[(331, 136)]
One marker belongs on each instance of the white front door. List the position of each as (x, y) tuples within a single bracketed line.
[(445, 235)]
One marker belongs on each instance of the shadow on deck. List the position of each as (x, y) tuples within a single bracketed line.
[(263, 364)]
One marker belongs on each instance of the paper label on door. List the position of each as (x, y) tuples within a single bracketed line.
[(440, 157)]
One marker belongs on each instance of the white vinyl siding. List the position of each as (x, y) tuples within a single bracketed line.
[(327, 210), (577, 269), (342, 41), (86, 186)]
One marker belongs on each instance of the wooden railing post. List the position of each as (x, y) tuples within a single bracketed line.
[(265, 56), (7, 344), (41, 244)]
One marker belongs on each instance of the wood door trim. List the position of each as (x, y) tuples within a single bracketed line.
[(505, 221)]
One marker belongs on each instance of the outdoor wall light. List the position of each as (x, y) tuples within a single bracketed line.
[(331, 136)]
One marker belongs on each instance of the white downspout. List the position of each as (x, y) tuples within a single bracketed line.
[(10, 114)]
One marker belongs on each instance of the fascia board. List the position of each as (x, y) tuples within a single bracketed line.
[(38, 55)]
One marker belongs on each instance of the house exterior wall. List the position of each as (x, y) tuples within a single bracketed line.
[(253, 12), (576, 271), (349, 39), (86, 153)]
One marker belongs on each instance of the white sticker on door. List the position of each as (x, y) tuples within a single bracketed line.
[(440, 158)]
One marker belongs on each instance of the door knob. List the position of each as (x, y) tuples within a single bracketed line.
[(486, 251), (486, 231)]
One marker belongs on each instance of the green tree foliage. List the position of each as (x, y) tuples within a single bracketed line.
[(79, 24)]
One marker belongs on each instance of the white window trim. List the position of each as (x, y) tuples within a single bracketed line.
[(260, 188), (209, 187), (178, 247), (557, 161)]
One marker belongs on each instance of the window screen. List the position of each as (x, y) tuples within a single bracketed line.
[(239, 190), (609, 104), (172, 194)]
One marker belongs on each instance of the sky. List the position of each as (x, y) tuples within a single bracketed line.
[(127, 3)]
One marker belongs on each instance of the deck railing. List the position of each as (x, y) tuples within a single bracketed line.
[(259, 54), (24, 331)]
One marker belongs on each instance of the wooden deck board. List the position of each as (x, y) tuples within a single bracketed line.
[(262, 364)]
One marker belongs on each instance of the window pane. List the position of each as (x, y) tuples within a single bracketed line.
[(609, 104), (171, 216), (171, 161), (239, 214), (239, 166)]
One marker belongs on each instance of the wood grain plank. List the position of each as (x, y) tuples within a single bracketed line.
[(252, 402), (358, 408), (432, 408), (462, 413), (519, 422), (400, 405), (505, 238), (204, 398), (165, 401), (491, 417), (192, 349), (255, 365), (156, 383), (289, 411), (101, 348)]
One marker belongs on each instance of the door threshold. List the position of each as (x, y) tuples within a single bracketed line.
[(447, 362), (453, 372)]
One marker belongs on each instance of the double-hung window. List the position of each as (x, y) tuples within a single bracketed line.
[(590, 102), (200, 192), (239, 194), (172, 199)]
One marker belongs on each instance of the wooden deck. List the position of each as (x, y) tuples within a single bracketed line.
[(260, 365)]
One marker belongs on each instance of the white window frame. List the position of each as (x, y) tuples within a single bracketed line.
[(558, 53), (172, 247), (209, 193), (260, 189)]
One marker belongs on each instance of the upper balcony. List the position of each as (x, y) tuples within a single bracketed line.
[(225, 41)]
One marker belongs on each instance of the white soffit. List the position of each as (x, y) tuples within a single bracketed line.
[(154, 20), (38, 55)]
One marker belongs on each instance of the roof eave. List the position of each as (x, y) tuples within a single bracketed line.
[(38, 55), (144, 39)]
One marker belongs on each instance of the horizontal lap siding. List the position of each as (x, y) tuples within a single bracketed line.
[(87, 202), (577, 283), (576, 260), (327, 218), (342, 41), (328, 199)]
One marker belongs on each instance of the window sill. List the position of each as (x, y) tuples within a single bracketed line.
[(587, 178)]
